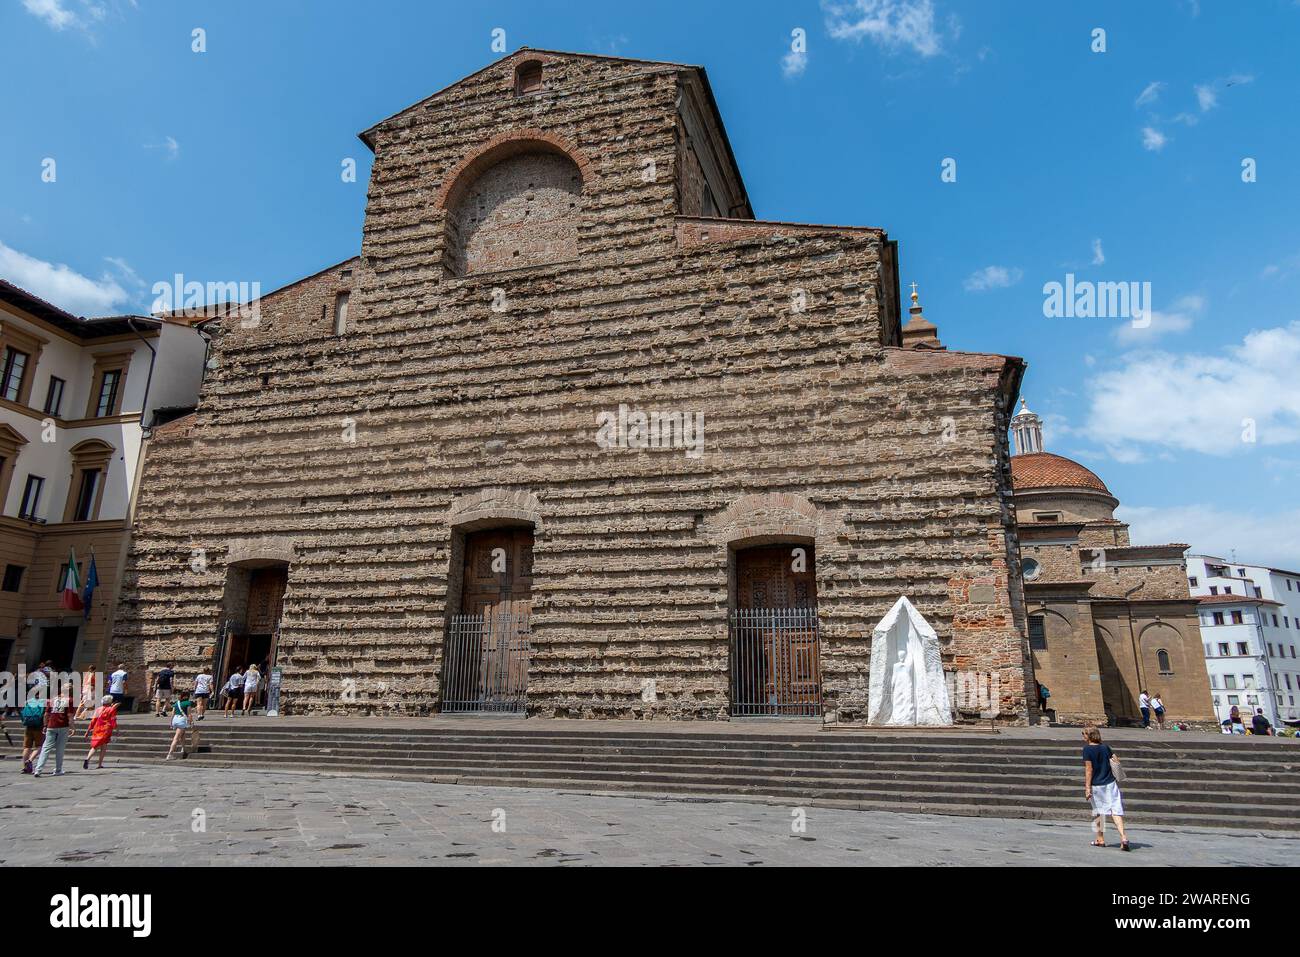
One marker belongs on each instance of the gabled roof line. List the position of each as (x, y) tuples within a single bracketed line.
[(366, 135)]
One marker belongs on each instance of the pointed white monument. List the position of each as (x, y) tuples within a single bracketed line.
[(907, 686)]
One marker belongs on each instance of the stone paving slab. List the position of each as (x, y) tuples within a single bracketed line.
[(126, 815)]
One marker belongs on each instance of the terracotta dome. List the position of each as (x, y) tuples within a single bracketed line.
[(1045, 470)]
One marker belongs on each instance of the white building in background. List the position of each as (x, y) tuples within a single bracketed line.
[(1250, 627), (77, 399)]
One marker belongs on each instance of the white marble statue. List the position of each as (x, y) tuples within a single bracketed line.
[(907, 685)]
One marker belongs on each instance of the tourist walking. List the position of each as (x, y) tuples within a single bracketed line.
[(180, 724), (40, 678), (101, 729), (117, 683), (162, 689), (252, 681), (1158, 708), (58, 725), (234, 689), (1260, 724), (88, 697), (33, 719), (1144, 705), (202, 692), (1101, 787)]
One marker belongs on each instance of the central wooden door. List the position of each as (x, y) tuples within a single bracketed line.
[(776, 577), (498, 572), (487, 652), (775, 653)]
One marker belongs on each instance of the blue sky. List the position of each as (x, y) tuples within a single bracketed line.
[(1122, 165)]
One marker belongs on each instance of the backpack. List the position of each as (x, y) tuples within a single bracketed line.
[(33, 714)]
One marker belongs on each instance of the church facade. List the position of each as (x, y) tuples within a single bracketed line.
[(576, 435), (1107, 619)]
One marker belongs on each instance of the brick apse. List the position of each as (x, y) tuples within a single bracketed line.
[(410, 438)]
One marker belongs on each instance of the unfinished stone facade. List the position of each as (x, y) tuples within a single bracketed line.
[(1108, 619), (535, 255)]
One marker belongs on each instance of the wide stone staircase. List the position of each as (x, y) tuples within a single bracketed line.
[(1173, 779)]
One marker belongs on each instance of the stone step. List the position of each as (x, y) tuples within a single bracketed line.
[(670, 750), (1023, 787), (989, 788), (1029, 773), (1175, 781), (1152, 813), (449, 730), (826, 743)]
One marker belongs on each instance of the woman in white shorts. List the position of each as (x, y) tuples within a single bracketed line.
[(1101, 788), (202, 692), (252, 679), (180, 724)]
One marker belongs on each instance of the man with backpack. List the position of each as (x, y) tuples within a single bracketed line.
[(58, 727), (162, 689), (33, 719)]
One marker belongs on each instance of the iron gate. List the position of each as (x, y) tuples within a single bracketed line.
[(485, 664), (775, 662)]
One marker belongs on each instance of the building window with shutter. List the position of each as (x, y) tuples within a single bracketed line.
[(528, 77), (31, 497), (13, 578), (15, 369), (87, 495), (1162, 662), (107, 401), (1037, 633), (54, 396)]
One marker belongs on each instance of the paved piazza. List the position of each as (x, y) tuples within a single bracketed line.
[(128, 815)]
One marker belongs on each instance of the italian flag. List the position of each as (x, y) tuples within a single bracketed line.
[(72, 584)]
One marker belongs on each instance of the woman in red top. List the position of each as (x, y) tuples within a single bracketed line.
[(101, 729)]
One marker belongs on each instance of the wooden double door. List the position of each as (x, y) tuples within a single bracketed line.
[(498, 575), (775, 638), (488, 644)]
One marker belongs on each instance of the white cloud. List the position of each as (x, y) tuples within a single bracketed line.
[(1153, 139), (1149, 94), (61, 285), (1207, 94), (992, 277), (1098, 254), (1179, 319), (1271, 538), (61, 14), (169, 146), (891, 24), (53, 12), (1207, 403), (793, 64)]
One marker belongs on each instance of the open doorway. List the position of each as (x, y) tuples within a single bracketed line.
[(59, 646), (254, 602)]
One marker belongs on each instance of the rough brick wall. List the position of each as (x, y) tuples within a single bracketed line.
[(521, 212), (475, 398)]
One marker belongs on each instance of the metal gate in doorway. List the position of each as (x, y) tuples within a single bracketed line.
[(485, 664)]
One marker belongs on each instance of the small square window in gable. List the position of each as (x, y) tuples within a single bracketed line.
[(528, 77)]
